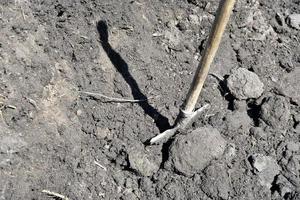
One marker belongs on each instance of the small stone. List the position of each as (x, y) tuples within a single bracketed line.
[(102, 133), (230, 151), (192, 153), (145, 184), (294, 21), (293, 146), (244, 84), (182, 26), (128, 194), (129, 183), (194, 19), (240, 105), (290, 85), (283, 185), (297, 128), (141, 162), (79, 112), (266, 167), (280, 19), (275, 112), (171, 23), (258, 133), (238, 120), (245, 18), (216, 183), (297, 117)]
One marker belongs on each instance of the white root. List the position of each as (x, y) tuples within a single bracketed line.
[(55, 194), (99, 165), (113, 99)]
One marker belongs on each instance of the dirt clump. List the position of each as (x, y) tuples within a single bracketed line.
[(142, 162), (266, 167), (191, 153), (244, 84), (275, 112), (55, 137), (215, 181)]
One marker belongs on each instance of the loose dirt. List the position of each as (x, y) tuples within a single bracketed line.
[(54, 137)]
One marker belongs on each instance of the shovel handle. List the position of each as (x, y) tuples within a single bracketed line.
[(221, 20)]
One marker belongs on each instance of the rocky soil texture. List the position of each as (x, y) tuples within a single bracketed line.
[(56, 137)]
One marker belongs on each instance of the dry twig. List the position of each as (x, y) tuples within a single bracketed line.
[(99, 165), (113, 99), (55, 194)]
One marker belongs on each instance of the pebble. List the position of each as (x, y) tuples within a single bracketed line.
[(79, 112), (294, 21), (297, 128), (182, 26), (275, 112), (191, 153), (238, 120), (230, 151), (102, 133), (194, 19), (293, 146), (290, 85), (141, 162), (283, 185), (244, 84), (266, 167), (258, 133)]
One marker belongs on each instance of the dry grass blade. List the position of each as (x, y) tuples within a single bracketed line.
[(56, 195), (99, 165), (113, 99)]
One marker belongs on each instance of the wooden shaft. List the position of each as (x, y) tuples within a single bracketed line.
[(222, 17)]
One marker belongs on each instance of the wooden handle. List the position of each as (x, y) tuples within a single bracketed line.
[(222, 17)]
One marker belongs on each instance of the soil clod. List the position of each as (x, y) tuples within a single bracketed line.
[(191, 153), (215, 183), (294, 20), (244, 84), (141, 162), (275, 112), (266, 168)]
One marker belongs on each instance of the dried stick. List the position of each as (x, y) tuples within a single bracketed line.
[(221, 20), (187, 111), (113, 99), (99, 165), (55, 194)]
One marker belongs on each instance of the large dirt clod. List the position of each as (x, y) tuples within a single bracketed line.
[(275, 112), (141, 162), (192, 153), (267, 168), (215, 183)]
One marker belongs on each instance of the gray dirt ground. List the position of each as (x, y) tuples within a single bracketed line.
[(54, 137)]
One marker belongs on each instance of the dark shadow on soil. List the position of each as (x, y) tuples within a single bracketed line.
[(161, 121), (254, 112), (225, 91)]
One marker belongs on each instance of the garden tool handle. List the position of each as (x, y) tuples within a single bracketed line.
[(220, 22)]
